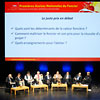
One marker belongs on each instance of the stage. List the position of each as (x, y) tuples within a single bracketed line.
[(54, 95)]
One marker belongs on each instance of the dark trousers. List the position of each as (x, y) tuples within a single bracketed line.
[(87, 82)]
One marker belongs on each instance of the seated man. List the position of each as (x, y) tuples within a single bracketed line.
[(57, 77), (10, 81), (19, 81), (78, 78), (67, 79), (28, 79), (48, 79), (38, 78), (87, 80)]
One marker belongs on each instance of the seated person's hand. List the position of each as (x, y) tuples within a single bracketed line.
[(12, 82), (75, 78), (84, 79)]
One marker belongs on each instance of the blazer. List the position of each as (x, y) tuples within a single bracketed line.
[(18, 79), (68, 78), (8, 80), (80, 78), (46, 78), (88, 79)]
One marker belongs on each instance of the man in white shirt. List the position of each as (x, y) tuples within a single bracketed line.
[(38, 78), (28, 79)]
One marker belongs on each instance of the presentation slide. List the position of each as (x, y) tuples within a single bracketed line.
[(52, 31)]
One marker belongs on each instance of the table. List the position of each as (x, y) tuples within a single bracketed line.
[(39, 86), (19, 88), (58, 85), (79, 86)]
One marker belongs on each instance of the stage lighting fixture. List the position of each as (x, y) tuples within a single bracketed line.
[(89, 68), (43, 67), (66, 67), (19, 66)]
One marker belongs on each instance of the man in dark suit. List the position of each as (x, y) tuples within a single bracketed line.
[(67, 79), (48, 79), (19, 81), (77, 78), (10, 81), (87, 80)]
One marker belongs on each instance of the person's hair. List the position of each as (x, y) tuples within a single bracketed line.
[(28, 72), (88, 72), (19, 74), (9, 74), (38, 71)]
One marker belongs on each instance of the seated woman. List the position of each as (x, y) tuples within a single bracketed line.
[(28, 79), (48, 79), (57, 77), (19, 81), (10, 81), (78, 78), (67, 79), (38, 78), (87, 80)]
